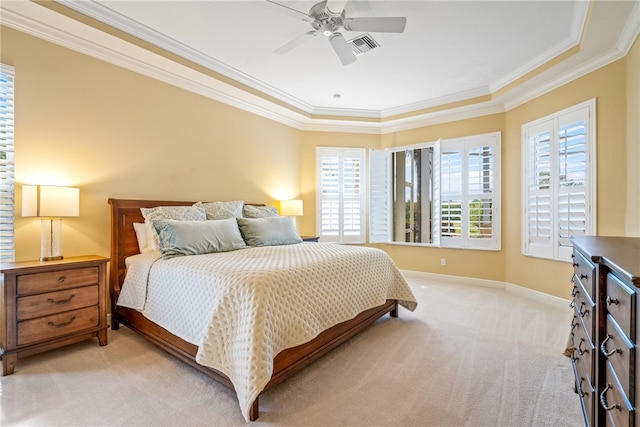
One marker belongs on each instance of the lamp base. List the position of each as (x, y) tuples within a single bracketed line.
[(50, 239), (51, 258)]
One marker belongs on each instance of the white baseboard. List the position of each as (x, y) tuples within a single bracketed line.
[(509, 287)]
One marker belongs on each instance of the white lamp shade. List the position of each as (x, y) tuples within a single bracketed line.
[(50, 201), (291, 208)]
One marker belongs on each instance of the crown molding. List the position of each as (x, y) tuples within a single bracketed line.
[(41, 22)]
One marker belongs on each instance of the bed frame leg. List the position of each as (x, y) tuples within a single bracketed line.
[(394, 312), (254, 412)]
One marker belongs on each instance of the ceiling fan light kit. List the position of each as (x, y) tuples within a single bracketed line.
[(329, 23)]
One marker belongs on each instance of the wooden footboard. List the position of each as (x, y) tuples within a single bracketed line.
[(124, 244)]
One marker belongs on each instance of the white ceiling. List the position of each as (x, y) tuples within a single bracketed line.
[(450, 50)]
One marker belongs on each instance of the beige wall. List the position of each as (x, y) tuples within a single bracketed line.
[(633, 140), (114, 133)]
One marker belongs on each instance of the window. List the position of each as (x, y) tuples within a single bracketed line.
[(558, 158), (7, 243), (341, 197), (444, 193)]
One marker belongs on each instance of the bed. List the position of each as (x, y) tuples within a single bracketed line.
[(282, 359)]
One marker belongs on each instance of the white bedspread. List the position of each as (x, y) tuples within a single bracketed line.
[(242, 308)]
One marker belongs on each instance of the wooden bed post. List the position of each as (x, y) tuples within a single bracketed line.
[(254, 412)]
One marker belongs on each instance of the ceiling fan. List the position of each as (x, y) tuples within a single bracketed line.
[(326, 21)]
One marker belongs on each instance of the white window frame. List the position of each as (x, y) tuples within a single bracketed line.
[(342, 234), (381, 197), (550, 245), (7, 183)]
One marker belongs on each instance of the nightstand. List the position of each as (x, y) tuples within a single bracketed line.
[(310, 238), (49, 304)]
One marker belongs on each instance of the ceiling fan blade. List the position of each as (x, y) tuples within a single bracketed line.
[(376, 25), (336, 6), (290, 11), (295, 42), (342, 49)]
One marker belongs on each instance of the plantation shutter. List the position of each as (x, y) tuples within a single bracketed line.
[(380, 205), (341, 176), (7, 216), (558, 176), (451, 221)]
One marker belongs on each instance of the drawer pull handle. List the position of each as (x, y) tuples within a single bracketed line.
[(579, 390), (580, 350), (612, 301), (61, 325), (603, 400), (61, 302), (61, 279), (580, 312), (573, 278), (603, 348), (584, 276), (575, 291), (575, 264)]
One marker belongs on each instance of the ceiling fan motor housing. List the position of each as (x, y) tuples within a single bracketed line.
[(325, 20)]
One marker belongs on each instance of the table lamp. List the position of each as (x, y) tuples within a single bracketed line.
[(50, 203), (291, 208)]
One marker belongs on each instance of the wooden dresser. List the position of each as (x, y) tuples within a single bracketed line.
[(604, 328), (49, 304)]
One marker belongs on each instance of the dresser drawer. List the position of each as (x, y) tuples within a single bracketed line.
[(621, 354), (584, 307), (618, 410), (38, 305), (583, 354), (56, 280), (621, 303), (585, 272), (43, 328)]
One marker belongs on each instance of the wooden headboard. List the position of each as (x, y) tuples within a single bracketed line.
[(124, 242)]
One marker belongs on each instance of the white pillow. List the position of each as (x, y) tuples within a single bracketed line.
[(141, 234)]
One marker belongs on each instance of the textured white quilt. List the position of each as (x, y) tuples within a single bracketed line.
[(242, 308)]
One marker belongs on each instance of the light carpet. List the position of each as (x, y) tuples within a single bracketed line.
[(468, 356)]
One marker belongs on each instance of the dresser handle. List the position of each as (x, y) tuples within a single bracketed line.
[(61, 325), (603, 400), (61, 279), (575, 264), (575, 291), (580, 350), (580, 312), (612, 301), (61, 302), (579, 390), (603, 348), (584, 276)]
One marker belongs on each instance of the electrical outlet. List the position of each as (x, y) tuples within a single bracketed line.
[(443, 261)]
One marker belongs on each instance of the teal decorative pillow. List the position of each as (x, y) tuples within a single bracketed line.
[(182, 213), (270, 231), (180, 238), (251, 211)]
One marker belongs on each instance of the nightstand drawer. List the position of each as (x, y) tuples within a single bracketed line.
[(56, 280), (56, 302), (43, 328)]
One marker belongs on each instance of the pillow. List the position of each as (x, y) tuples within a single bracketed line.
[(249, 211), (181, 213), (222, 210), (270, 231), (180, 238), (141, 234)]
